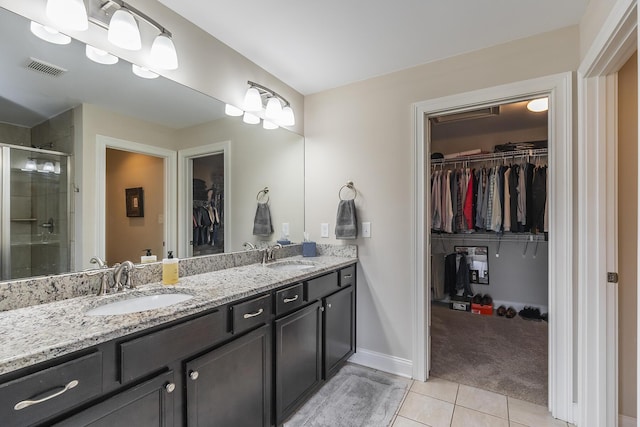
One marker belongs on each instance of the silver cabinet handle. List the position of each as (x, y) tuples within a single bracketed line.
[(250, 315), (348, 276), (288, 300), (194, 375), (169, 387), (27, 403)]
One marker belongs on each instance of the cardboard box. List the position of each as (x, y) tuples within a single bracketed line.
[(460, 303), (487, 310)]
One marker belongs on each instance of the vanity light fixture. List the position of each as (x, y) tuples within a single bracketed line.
[(163, 52), (143, 72), (68, 14), (278, 110), (538, 105), (100, 56), (30, 166), (49, 34), (56, 168), (123, 30), (232, 110), (47, 167)]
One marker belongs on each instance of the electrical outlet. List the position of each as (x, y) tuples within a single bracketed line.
[(324, 229), (366, 229), (285, 229)]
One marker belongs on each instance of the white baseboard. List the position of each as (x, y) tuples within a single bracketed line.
[(519, 305), (383, 362), (624, 421)]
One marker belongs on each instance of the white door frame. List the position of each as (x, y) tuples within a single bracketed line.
[(559, 89), (597, 220), (185, 229), (170, 189)]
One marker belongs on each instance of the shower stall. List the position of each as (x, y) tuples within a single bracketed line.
[(34, 217)]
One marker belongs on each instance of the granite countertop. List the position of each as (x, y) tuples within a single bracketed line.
[(42, 332)]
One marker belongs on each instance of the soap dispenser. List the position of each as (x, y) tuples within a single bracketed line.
[(147, 258), (170, 269)]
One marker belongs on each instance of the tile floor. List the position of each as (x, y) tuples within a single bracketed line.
[(440, 403)]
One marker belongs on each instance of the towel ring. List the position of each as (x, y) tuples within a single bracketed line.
[(263, 193), (350, 186)]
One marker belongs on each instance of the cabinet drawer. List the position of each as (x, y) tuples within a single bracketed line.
[(288, 299), (321, 286), (347, 276), (50, 391), (250, 313), (148, 353)]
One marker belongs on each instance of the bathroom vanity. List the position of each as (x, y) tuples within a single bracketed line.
[(248, 349)]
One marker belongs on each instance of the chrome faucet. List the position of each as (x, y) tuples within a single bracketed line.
[(248, 245), (97, 260), (125, 267), (269, 253), (104, 287)]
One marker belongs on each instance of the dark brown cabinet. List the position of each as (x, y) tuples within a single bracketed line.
[(298, 340), (231, 386), (339, 329)]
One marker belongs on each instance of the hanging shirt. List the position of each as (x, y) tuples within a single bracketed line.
[(506, 220)]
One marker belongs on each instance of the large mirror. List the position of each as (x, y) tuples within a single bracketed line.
[(125, 132)]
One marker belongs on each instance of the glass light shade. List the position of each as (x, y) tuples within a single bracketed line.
[(252, 100), (251, 119), (100, 56), (68, 14), (274, 109), (287, 118), (48, 167), (30, 166), (266, 124), (163, 53), (123, 30), (538, 105), (232, 110), (143, 72), (56, 168), (49, 34)]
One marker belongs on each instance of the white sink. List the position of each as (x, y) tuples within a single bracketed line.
[(136, 304), (291, 265)]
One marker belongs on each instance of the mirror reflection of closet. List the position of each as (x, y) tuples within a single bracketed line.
[(208, 204)]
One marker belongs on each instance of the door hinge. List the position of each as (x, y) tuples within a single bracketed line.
[(612, 277)]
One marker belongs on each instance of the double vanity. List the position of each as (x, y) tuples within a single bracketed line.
[(245, 345)]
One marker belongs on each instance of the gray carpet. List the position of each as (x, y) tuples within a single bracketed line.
[(507, 356), (355, 396)]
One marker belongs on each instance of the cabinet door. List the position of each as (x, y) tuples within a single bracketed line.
[(298, 358), (148, 404), (231, 385), (339, 329)]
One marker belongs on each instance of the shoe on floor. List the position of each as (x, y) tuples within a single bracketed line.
[(477, 299), (487, 300), (501, 311), (511, 313)]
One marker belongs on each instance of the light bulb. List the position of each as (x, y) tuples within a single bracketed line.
[(266, 124), (252, 100), (123, 30), (163, 53), (232, 110), (143, 72), (538, 105), (49, 34), (287, 118), (274, 109), (100, 56), (68, 14), (251, 119)]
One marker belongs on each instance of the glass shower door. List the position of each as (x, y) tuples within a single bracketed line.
[(35, 213)]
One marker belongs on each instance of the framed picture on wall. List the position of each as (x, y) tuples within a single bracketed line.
[(478, 260), (134, 201)]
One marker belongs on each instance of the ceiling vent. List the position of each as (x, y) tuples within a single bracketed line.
[(467, 115), (45, 68)]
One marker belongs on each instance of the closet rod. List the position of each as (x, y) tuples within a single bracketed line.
[(473, 237), (538, 152)]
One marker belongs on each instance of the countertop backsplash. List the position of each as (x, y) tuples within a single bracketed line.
[(41, 290)]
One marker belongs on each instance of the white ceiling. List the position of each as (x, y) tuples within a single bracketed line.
[(316, 45)]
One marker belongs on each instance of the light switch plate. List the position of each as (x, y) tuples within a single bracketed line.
[(324, 229), (366, 229), (285, 229)]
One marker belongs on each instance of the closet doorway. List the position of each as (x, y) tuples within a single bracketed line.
[(489, 252), (558, 88)]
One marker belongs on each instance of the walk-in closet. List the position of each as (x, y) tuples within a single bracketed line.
[(489, 232)]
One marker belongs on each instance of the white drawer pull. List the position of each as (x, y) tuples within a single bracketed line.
[(250, 315), (288, 300), (27, 403)]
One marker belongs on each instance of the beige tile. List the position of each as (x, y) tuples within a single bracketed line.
[(438, 388), (482, 400), (427, 410), (514, 424), (463, 417), (406, 422), (532, 415)]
